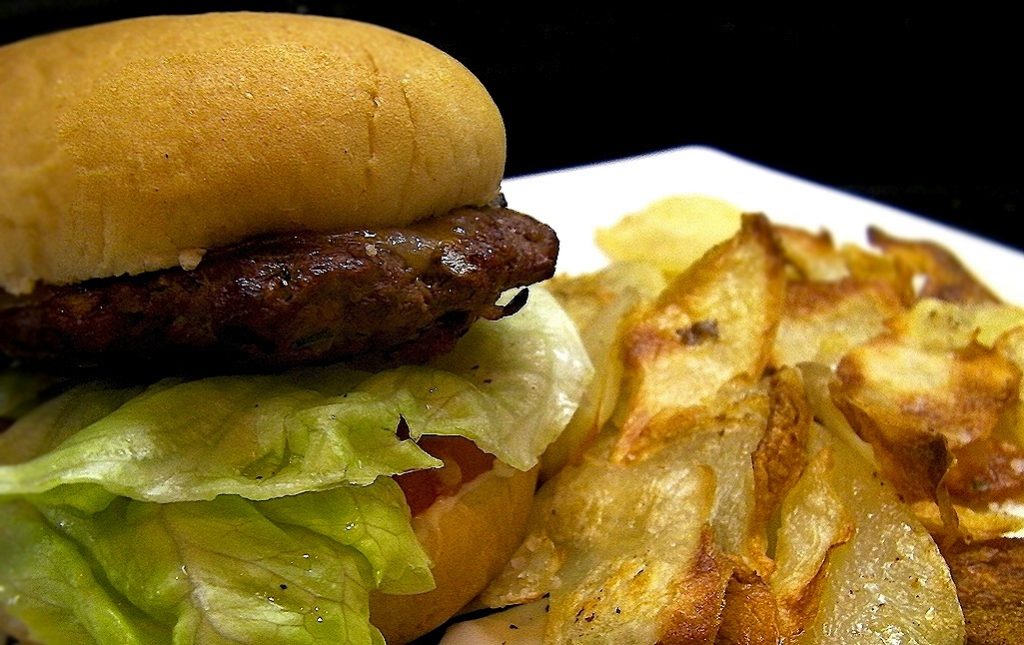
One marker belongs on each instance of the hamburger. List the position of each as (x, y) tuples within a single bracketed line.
[(271, 371)]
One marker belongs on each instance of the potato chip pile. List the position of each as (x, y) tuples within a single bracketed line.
[(786, 440)]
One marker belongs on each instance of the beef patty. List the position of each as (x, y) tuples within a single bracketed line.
[(372, 297)]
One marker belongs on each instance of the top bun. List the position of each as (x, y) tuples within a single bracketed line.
[(136, 145)]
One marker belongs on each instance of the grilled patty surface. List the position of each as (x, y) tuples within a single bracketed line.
[(370, 297)]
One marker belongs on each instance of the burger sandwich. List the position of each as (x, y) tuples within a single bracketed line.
[(269, 370)]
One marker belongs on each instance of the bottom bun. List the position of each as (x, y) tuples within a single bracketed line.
[(469, 537)]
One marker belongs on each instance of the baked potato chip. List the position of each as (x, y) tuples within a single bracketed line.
[(889, 387), (869, 266), (672, 233), (988, 580), (599, 303), (821, 321), (679, 514), (1010, 344), (814, 520), (812, 256), (954, 386), (712, 324), (972, 525), (945, 277), (846, 560), (751, 614), (918, 407), (623, 556), (888, 583), (585, 297), (940, 325)]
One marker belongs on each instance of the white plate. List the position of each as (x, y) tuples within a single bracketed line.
[(579, 200)]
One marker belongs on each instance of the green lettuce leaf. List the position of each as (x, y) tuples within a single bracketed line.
[(510, 390), (47, 583), (292, 570), (255, 436)]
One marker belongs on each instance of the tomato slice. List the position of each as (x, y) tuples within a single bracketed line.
[(463, 462)]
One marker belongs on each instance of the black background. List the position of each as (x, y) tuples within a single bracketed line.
[(916, 109)]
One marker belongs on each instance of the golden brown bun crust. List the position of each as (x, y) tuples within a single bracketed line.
[(469, 538), (130, 146)]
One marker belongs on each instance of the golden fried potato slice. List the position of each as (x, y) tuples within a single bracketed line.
[(625, 557), (822, 321), (987, 465), (888, 583), (960, 394), (682, 515), (945, 277), (1010, 344), (869, 266), (726, 441), (913, 405), (713, 323), (751, 614), (599, 304), (672, 233), (659, 549), (972, 525), (939, 325), (814, 520), (988, 580), (780, 457), (813, 256), (922, 461), (585, 297), (987, 470)]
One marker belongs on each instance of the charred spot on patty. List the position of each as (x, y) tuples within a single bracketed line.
[(370, 297)]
